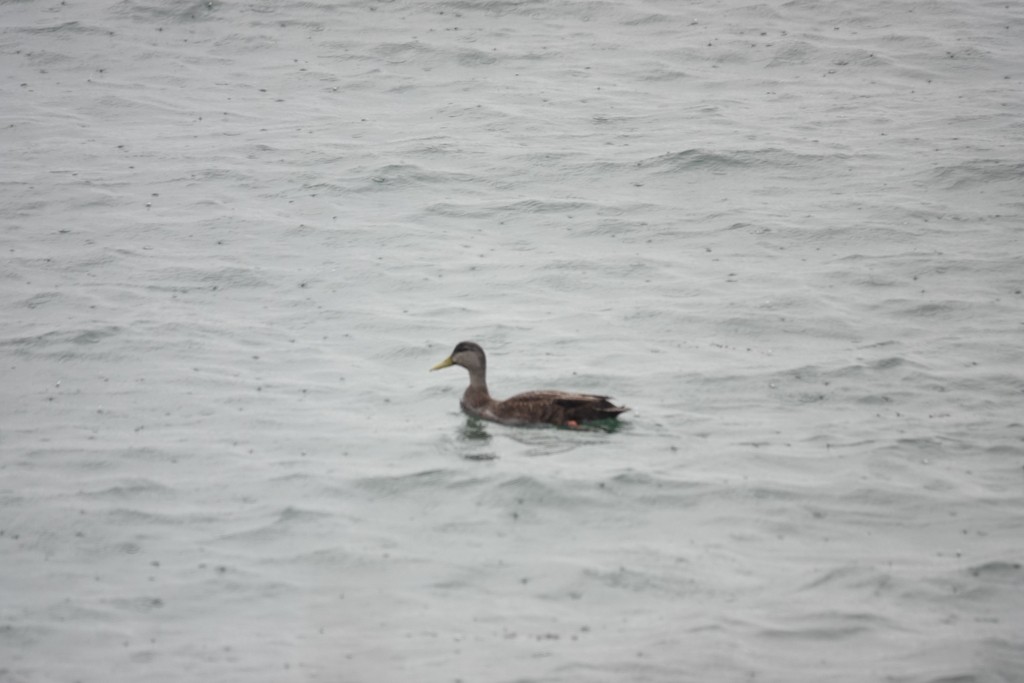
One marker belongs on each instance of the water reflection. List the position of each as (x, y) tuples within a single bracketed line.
[(474, 430), (473, 437), (476, 439)]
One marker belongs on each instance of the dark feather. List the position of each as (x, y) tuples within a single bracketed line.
[(532, 407)]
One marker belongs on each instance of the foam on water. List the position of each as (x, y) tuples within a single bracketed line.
[(235, 236)]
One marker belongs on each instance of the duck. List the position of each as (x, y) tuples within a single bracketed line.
[(559, 408)]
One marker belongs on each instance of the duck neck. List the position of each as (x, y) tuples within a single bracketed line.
[(477, 391)]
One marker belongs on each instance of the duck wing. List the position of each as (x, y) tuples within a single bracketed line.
[(555, 407)]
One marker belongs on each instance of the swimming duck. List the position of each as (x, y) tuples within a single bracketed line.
[(532, 407)]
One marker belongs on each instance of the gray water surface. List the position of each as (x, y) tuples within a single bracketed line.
[(237, 234)]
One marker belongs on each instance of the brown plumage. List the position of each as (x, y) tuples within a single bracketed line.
[(532, 407)]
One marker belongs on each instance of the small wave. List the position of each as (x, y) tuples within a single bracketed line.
[(527, 206), (284, 525), (645, 583), (526, 493), (644, 483), (473, 58), (127, 488), (830, 625), (41, 299), (703, 160), (937, 308), (390, 176), (184, 279), (852, 577), (794, 53), (976, 173), (63, 345), (131, 516), (431, 480), (294, 514), (157, 10), (398, 53), (661, 74), (893, 362), (497, 7), (142, 604), (648, 19), (531, 206), (999, 570), (68, 27), (452, 210)]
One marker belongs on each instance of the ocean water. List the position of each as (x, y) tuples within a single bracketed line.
[(235, 236)]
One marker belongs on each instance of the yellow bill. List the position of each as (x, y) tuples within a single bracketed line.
[(446, 363)]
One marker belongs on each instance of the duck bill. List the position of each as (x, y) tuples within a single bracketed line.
[(446, 363)]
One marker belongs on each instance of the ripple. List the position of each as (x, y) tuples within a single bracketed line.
[(527, 492), (140, 10), (704, 160), (426, 480), (64, 344), (286, 524), (641, 582), (127, 488), (999, 570), (830, 625), (852, 577)]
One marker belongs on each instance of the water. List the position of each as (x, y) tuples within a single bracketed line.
[(236, 236)]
